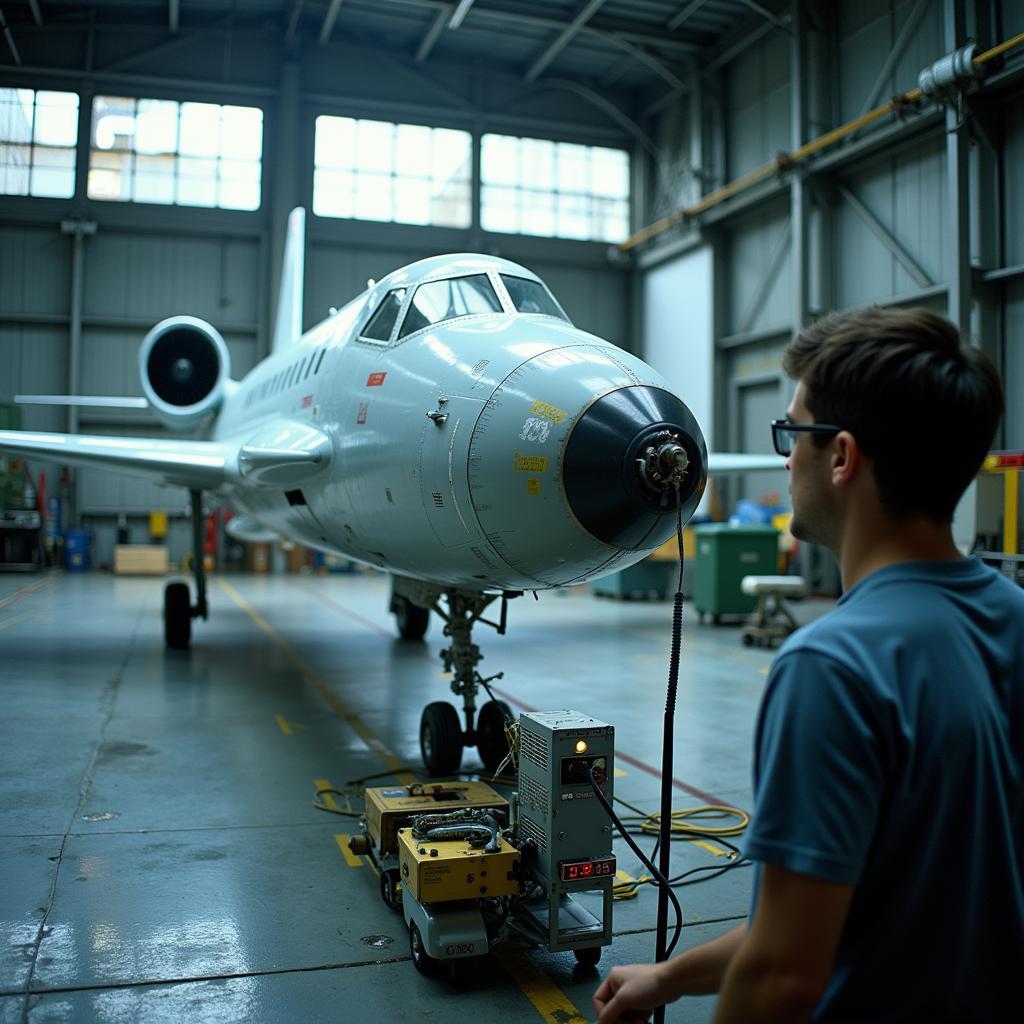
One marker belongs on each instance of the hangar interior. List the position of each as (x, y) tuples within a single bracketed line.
[(693, 180)]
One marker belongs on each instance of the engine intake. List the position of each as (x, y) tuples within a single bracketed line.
[(184, 365)]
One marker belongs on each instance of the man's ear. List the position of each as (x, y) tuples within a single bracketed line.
[(847, 459)]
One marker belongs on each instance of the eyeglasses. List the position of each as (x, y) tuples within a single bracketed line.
[(784, 433)]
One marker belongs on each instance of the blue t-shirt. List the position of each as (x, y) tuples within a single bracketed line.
[(889, 754)]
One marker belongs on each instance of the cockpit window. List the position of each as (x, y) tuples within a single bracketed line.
[(381, 323), (445, 300), (531, 297)]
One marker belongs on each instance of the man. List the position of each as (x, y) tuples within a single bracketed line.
[(888, 829)]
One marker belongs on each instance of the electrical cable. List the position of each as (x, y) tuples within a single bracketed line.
[(320, 805), (624, 832), (668, 741)]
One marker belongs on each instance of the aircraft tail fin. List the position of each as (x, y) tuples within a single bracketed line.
[(288, 321)]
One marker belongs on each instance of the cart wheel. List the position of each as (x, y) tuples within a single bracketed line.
[(587, 957), (411, 619), (748, 640), (422, 960), (490, 733), (441, 738), (390, 893)]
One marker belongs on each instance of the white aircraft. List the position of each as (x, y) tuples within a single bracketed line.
[(449, 426)]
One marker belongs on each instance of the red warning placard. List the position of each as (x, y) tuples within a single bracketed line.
[(376, 379)]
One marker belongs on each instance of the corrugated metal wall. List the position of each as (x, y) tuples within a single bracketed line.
[(880, 221)]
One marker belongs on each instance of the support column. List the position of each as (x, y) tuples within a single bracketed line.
[(695, 100), (799, 198), (78, 230), (287, 188), (957, 179)]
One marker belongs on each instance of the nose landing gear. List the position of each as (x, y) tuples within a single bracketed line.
[(178, 608), (442, 737)]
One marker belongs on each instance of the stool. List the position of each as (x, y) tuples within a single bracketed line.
[(774, 620)]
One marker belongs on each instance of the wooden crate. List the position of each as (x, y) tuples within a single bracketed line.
[(140, 560)]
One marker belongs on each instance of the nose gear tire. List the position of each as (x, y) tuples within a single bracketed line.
[(441, 738)]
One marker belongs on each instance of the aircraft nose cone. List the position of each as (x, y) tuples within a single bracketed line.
[(612, 493)]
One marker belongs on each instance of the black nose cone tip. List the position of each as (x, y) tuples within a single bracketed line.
[(602, 478)]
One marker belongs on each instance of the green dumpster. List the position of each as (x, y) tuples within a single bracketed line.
[(725, 554)]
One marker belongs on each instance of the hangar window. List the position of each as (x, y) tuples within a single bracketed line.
[(184, 154), (445, 300), (537, 187), (376, 170), (38, 133)]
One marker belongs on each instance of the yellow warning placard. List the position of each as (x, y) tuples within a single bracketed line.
[(531, 463), (549, 412), (533, 485)]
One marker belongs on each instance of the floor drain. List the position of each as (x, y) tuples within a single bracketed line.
[(101, 816), (377, 941)]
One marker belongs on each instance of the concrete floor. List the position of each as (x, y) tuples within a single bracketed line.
[(161, 856)]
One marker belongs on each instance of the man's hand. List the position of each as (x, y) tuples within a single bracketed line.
[(629, 994)]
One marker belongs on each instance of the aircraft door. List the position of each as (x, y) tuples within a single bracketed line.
[(444, 484)]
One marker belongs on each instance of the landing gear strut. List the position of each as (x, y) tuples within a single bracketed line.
[(441, 738), (178, 608)]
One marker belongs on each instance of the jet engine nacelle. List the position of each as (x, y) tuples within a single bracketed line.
[(185, 366)]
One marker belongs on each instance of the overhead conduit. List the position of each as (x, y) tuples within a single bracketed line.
[(785, 161)]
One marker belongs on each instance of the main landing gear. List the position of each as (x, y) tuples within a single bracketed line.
[(442, 736), (178, 608)]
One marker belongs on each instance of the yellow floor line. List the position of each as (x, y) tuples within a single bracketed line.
[(327, 798), (712, 848), (548, 1000), (620, 774), (29, 588), (15, 618), (283, 723), (317, 682), (350, 858)]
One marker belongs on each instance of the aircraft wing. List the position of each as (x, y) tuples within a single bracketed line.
[(729, 462), (200, 465)]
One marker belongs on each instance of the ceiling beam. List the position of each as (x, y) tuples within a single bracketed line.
[(459, 14), (691, 8), (432, 36), (765, 13), (649, 61), (563, 39), (173, 14), (37, 14), (166, 45), (329, 19), (9, 38), (293, 21), (607, 31)]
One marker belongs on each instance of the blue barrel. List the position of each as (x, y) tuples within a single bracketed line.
[(76, 550)]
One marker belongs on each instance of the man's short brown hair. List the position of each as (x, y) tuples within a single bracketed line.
[(923, 407)]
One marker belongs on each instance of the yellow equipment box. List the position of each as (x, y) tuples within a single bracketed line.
[(389, 808), (440, 870)]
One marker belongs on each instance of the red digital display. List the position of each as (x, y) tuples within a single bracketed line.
[(581, 870)]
